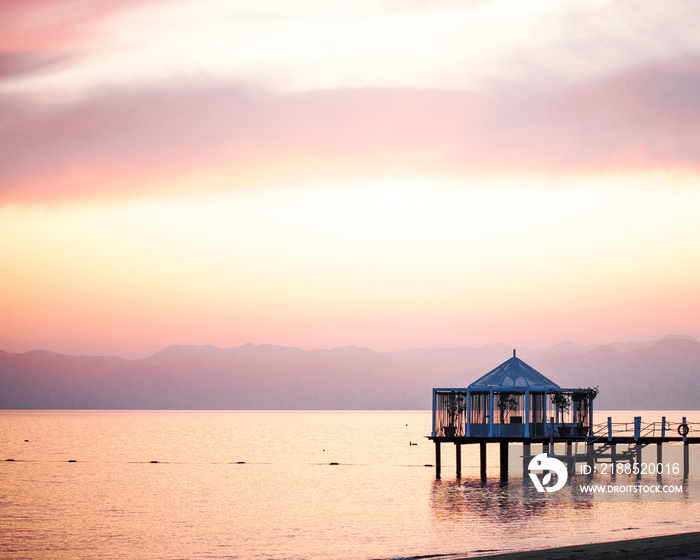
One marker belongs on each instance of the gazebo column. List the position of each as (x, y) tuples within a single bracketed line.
[(491, 413), (527, 413), (469, 413)]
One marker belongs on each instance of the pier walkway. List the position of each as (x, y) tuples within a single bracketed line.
[(600, 443)]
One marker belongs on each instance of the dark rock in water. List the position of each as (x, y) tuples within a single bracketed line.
[(333, 463), (9, 460), (153, 462), (72, 461), (241, 463)]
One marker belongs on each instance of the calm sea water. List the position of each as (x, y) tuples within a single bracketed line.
[(260, 485)]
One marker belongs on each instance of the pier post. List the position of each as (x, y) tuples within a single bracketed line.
[(458, 447), (609, 428), (437, 459), (637, 427), (482, 459), (504, 460), (659, 453), (663, 426), (686, 454)]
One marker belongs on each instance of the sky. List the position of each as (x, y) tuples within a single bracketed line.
[(389, 174)]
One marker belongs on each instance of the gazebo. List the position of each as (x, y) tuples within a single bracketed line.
[(512, 401)]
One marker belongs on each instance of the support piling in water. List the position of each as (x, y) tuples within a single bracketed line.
[(437, 459), (504, 460), (482, 459), (638, 459), (526, 456), (458, 451)]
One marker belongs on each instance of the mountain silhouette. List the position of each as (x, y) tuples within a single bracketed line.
[(660, 374)]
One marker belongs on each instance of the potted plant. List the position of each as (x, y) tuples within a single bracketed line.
[(583, 399), (562, 402), (456, 405), (507, 403)]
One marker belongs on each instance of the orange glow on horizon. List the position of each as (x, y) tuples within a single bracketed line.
[(388, 266)]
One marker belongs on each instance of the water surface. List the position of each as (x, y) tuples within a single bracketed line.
[(260, 485)]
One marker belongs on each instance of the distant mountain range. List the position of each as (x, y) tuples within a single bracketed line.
[(660, 374)]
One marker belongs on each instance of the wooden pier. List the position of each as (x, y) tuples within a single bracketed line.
[(600, 445)]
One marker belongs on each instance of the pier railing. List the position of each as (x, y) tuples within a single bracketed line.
[(638, 429)]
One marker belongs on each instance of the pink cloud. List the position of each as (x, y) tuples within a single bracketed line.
[(28, 25), (38, 34), (173, 131), (641, 119)]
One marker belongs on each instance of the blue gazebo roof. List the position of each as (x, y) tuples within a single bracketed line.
[(513, 373)]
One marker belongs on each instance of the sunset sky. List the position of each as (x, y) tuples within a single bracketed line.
[(390, 174)]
